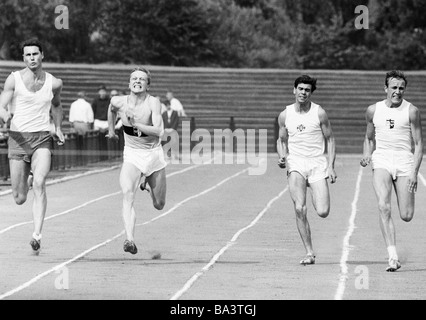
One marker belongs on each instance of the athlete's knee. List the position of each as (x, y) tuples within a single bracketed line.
[(19, 198), (128, 194), (407, 218), (39, 184), (385, 208), (407, 215), (300, 210), (323, 212), (159, 204)]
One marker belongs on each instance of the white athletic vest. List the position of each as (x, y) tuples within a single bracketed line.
[(393, 130), (134, 138), (305, 137), (31, 109)]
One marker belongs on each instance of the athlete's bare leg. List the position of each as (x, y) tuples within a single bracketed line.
[(19, 172), (321, 197), (383, 184), (129, 181), (298, 189), (406, 199), (158, 188), (40, 166)]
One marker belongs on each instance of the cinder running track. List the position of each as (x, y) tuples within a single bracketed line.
[(223, 235)]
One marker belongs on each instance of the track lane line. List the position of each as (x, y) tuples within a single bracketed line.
[(231, 243), (346, 241), (83, 254), (91, 201)]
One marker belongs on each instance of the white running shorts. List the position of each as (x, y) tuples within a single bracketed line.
[(147, 161), (397, 163), (312, 169)]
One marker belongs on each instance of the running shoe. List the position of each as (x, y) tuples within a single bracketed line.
[(35, 244), (394, 265), (309, 259), (130, 246)]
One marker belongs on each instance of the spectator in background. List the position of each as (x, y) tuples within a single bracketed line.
[(171, 124), (175, 104), (113, 93), (100, 107), (81, 114)]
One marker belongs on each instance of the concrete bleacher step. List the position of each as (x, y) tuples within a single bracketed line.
[(254, 98)]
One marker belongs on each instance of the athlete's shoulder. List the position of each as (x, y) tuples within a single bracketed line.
[(118, 102), (9, 84), (414, 112), (282, 117), (57, 83), (370, 112), (153, 100), (154, 103)]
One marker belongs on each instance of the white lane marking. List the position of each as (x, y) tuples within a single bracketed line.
[(87, 203), (346, 242), (216, 257), (65, 179), (81, 255)]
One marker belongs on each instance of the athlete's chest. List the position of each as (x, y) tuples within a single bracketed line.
[(298, 124), (34, 84), (390, 119), (141, 113)]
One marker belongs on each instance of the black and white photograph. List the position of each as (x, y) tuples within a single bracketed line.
[(209, 156)]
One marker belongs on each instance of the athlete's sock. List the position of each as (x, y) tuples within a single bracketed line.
[(392, 253), (37, 237)]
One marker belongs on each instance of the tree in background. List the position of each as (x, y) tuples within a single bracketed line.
[(159, 32), (222, 33)]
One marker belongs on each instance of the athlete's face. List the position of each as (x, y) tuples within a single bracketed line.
[(395, 91), (303, 92), (138, 82), (33, 57)]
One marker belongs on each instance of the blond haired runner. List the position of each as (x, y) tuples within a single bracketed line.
[(303, 130), (143, 153), (392, 125)]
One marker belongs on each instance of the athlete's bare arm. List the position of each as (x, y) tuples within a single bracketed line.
[(57, 110), (6, 97), (369, 136), (416, 131), (115, 105), (282, 142), (157, 128), (331, 143)]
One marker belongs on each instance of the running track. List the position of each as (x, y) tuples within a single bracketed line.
[(223, 235)]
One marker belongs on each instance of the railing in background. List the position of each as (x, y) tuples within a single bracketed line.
[(80, 151)]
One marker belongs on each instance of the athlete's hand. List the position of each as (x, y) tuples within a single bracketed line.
[(111, 135), (332, 175), (61, 137), (282, 163), (4, 115), (365, 161), (412, 184)]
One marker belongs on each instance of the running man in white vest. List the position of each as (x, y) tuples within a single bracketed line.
[(304, 129), (32, 94), (143, 154), (392, 125)]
